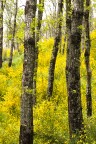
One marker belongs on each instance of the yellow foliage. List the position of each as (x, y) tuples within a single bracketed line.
[(46, 45), (50, 118)]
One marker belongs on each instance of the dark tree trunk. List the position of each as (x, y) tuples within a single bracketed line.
[(87, 60), (39, 21), (1, 31), (55, 49), (13, 35), (68, 32), (26, 123), (73, 69)]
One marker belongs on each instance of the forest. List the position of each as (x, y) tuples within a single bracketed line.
[(47, 72)]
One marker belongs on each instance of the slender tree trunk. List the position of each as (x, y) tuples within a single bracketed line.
[(13, 35), (68, 32), (91, 17), (1, 31), (9, 30), (55, 50), (83, 35), (39, 20), (87, 60), (26, 123), (73, 69)]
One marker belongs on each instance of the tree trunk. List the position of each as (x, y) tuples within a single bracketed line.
[(68, 32), (26, 123), (73, 69), (1, 31), (13, 35), (39, 20), (83, 35), (55, 49), (87, 60)]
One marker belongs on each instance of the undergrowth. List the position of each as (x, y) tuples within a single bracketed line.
[(50, 118)]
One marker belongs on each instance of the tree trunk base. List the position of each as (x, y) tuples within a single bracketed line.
[(25, 136)]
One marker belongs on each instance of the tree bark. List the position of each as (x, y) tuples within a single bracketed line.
[(13, 35), (55, 49), (73, 69), (68, 32), (1, 31), (87, 60), (26, 123), (39, 20)]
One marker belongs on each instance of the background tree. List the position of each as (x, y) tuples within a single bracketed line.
[(49, 20), (1, 31), (26, 124), (13, 34), (68, 32), (57, 41), (8, 24), (87, 59), (73, 69), (39, 22)]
